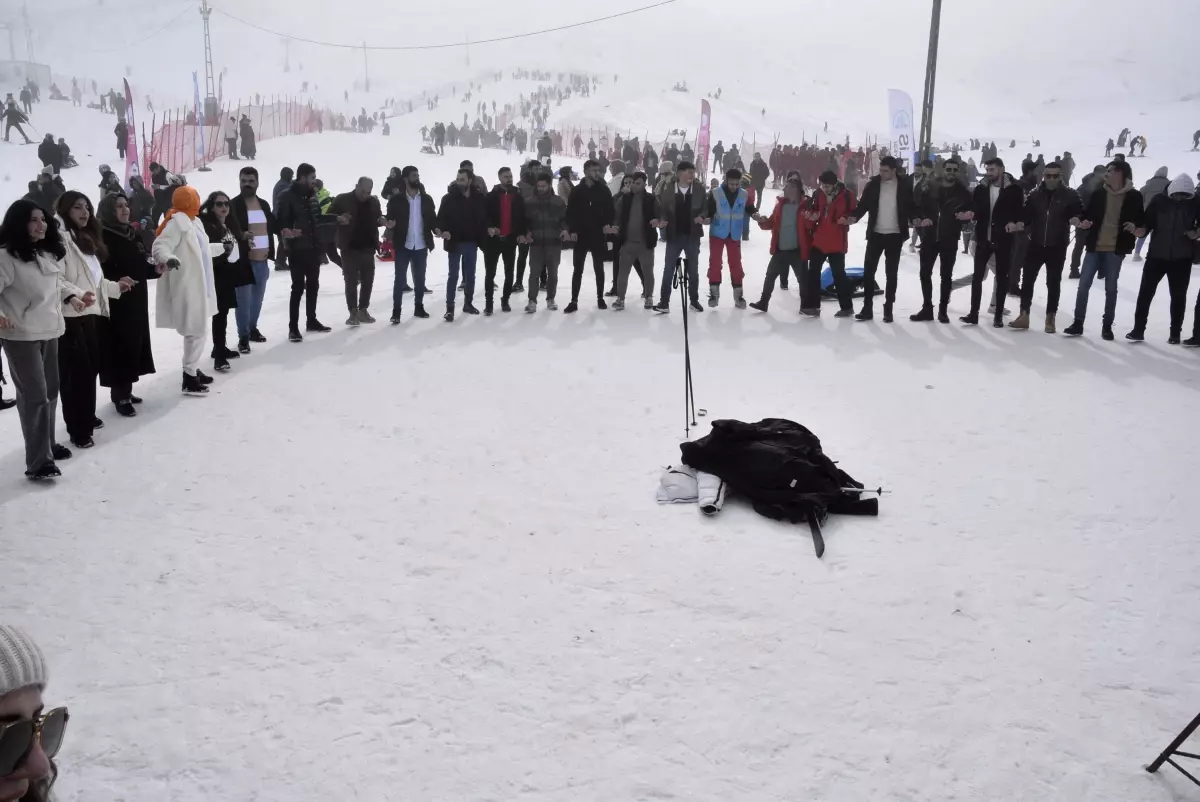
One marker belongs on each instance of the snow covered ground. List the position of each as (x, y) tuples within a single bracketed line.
[(425, 562)]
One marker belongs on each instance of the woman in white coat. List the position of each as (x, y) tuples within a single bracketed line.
[(79, 348), (187, 295)]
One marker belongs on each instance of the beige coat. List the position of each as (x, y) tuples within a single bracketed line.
[(77, 280), (186, 297)]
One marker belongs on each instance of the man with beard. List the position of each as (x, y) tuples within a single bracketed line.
[(506, 223), (546, 217), (411, 219), (942, 209), (636, 226), (681, 206), (727, 206), (996, 208), (462, 219), (257, 223), (359, 218), (589, 218), (298, 213), (1049, 210), (887, 203)]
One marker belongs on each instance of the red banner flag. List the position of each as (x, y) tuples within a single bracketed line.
[(702, 140)]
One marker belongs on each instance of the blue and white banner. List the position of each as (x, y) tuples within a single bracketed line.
[(903, 135)]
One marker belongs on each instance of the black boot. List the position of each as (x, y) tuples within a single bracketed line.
[(887, 313), (193, 386), (1106, 331), (943, 314), (865, 314), (761, 306), (1075, 329), (244, 345), (220, 363), (256, 336), (971, 319), (420, 312), (316, 325), (926, 314), (204, 377)]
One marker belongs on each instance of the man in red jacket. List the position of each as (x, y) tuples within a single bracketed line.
[(830, 204), (790, 231)]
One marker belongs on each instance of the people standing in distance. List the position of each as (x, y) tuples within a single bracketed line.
[(186, 297), (546, 215), (791, 230), (589, 218), (942, 210), (996, 208), (1111, 220), (1047, 217), (635, 223), (88, 294), (506, 223), (297, 213), (257, 223), (462, 220), (230, 271), (359, 217), (411, 220), (681, 214), (125, 347), (1174, 220), (31, 323), (887, 203), (727, 206)]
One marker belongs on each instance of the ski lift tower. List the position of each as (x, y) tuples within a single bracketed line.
[(925, 138), (212, 112)]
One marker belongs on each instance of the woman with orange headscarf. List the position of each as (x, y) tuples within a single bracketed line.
[(187, 295)]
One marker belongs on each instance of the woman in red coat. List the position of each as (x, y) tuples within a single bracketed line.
[(790, 229), (831, 206)]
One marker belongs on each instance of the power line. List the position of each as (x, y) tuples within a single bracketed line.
[(186, 9), (361, 46)]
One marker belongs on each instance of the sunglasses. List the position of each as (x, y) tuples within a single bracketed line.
[(221, 204), (17, 739)]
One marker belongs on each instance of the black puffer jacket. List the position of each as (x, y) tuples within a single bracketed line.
[(1008, 208), (298, 208), (589, 210), (1171, 219), (1047, 215), (939, 204), (464, 218)]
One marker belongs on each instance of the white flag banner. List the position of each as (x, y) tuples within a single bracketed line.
[(900, 114)]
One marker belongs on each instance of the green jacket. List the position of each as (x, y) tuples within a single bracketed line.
[(324, 199)]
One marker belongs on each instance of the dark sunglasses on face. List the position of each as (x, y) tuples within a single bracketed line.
[(17, 738), (221, 204)]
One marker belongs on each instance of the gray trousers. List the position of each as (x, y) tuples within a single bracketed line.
[(358, 269), (543, 258), (34, 368), (635, 252)]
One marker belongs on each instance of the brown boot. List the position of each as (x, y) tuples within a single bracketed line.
[(1050, 329), (1022, 321)]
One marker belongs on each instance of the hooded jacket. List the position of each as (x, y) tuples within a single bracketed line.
[(989, 222), (1047, 215), (1155, 186), (1170, 216), (828, 235), (1132, 211)]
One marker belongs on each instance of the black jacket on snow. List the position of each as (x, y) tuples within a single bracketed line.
[(1171, 219), (759, 171), (621, 214), (51, 155), (868, 204), (397, 210), (1047, 216), (518, 225), (940, 203), (1132, 211), (989, 222), (589, 210), (127, 354), (238, 210), (464, 218), (298, 208)]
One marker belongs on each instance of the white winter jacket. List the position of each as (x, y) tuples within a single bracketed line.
[(77, 279), (682, 484), (187, 297), (31, 298)]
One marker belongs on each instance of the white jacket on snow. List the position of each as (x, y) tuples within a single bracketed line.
[(187, 297), (681, 484), (77, 279), (31, 298)]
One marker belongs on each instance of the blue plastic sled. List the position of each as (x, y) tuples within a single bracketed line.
[(856, 275)]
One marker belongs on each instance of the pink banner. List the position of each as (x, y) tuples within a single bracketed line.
[(702, 141), (132, 167)]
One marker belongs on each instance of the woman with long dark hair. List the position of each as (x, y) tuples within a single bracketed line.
[(229, 272), (125, 354), (30, 735), (79, 348), (31, 321)]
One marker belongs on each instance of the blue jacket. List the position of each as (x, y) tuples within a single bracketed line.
[(730, 219)]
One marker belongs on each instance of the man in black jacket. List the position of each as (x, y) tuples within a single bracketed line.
[(298, 213), (359, 218), (759, 173), (411, 219), (258, 227), (589, 218), (1110, 219), (996, 209), (51, 154), (462, 219), (635, 221), (1046, 222), (506, 224), (887, 203), (942, 210), (1173, 219)]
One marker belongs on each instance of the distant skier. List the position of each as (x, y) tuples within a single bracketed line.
[(718, 153), (1108, 149), (13, 117), (1196, 141)]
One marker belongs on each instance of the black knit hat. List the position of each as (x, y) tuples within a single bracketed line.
[(829, 177)]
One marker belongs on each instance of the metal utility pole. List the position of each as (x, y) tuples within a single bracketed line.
[(12, 43), (210, 89), (366, 70), (28, 34), (924, 139)]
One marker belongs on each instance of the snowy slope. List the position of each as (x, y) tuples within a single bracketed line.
[(425, 563)]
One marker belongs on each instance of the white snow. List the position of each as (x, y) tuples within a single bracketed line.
[(425, 562)]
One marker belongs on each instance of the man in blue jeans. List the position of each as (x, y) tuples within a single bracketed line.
[(1110, 222), (258, 243), (411, 220), (682, 203), (463, 222)]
